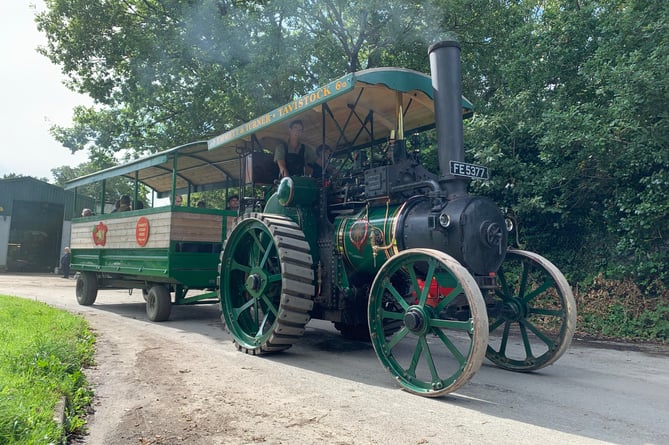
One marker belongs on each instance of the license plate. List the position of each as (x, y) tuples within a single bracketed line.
[(468, 170)]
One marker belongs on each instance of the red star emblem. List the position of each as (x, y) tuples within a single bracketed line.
[(100, 234)]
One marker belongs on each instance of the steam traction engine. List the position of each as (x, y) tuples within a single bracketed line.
[(389, 251)]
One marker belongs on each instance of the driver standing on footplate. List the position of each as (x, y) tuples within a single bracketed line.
[(294, 157)]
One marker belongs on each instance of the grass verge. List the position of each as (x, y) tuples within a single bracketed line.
[(42, 353)]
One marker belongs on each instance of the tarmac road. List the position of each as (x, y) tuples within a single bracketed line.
[(183, 382)]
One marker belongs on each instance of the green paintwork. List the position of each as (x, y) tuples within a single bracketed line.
[(406, 80), (145, 263), (190, 264), (420, 338), (218, 163), (306, 217), (196, 167), (286, 112), (251, 309), (183, 271), (298, 191), (120, 170), (208, 165), (533, 306), (194, 270), (361, 233)]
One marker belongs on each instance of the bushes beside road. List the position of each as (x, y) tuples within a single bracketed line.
[(619, 310)]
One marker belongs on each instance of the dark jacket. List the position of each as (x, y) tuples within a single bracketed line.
[(65, 264)]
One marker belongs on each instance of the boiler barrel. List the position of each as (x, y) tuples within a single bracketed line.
[(367, 239)]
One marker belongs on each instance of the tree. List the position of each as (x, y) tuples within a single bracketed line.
[(19, 175), (571, 96), (114, 187), (166, 73), (163, 73), (350, 36), (579, 132)]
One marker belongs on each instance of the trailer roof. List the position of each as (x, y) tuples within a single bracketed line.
[(356, 110)]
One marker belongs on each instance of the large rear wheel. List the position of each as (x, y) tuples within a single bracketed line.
[(444, 328), (532, 315), (266, 283)]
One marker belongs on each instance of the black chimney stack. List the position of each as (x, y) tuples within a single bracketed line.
[(446, 83)]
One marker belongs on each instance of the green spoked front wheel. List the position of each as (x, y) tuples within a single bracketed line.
[(266, 283), (532, 314), (444, 327)]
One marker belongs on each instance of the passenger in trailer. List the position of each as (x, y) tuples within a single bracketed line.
[(294, 157), (178, 200), (122, 205), (233, 203)]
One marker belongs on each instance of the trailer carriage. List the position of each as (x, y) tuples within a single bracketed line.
[(158, 250), (385, 248)]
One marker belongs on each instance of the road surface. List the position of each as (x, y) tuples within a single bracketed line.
[(183, 382)]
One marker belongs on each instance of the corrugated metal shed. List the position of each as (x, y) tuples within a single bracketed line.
[(35, 223), (34, 190)]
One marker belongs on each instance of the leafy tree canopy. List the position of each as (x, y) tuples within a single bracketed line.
[(165, 73), (19, 175), (571, 96)]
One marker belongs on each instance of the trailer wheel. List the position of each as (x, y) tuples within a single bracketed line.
[(158, 303), (443, 331), (533, 314), (266, 283), (87, 288)]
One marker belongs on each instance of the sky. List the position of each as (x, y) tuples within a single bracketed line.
[(33, 97)]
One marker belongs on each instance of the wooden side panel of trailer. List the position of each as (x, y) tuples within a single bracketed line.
[(171, 245), (120, 230)]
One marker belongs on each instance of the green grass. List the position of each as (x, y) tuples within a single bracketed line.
[(42, 352)]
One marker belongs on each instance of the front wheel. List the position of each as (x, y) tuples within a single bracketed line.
[(532, 314), (442, 326)]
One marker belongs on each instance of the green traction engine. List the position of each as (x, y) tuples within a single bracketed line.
[(403, 257)]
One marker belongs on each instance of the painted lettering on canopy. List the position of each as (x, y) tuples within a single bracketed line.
[(316, 96), (323, 94)]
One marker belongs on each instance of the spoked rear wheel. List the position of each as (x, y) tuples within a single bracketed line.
[(266, 283), (533, 314), (444, 327)]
